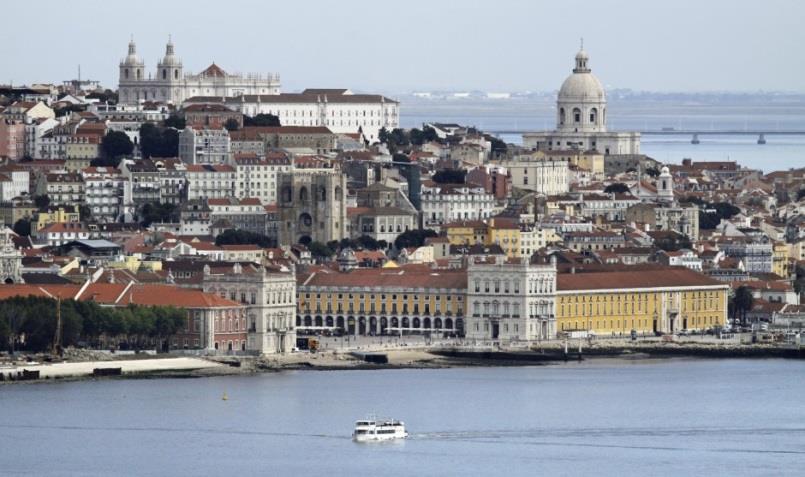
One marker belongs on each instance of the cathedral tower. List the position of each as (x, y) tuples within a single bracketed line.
[(169, 76)]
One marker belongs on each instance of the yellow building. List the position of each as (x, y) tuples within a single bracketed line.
[(781, 264), (466, 232), (83, 148), (58, 216), (382, 301), (616, 302), (505, 233)]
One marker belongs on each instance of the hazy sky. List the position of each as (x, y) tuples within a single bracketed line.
[(399, 46)]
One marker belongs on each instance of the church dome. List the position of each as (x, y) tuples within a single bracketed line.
[(132, 59), (582, 87), (170, 58)]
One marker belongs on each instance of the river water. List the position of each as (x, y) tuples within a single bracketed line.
[(599, 417), (640, 114)]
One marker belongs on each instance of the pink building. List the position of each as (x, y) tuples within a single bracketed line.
[(12, 139)]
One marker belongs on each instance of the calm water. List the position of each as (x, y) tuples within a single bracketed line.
[(678, 417), (780, 152)]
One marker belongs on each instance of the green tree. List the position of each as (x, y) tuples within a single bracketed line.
[(158, 142), (232, 124), (499, 146), (319, 250), (413, 238), (710, 215), (116, 144), (84, 213), (158, 212), (22, 227), (107, 96), (243, 237), (742, 302), (417, 137), (617, 187), (400, 157), (175, 121), (673, 242), (383, 135), (367, 242), (263, 120), (652, 171), (42, 202), (450, 176)]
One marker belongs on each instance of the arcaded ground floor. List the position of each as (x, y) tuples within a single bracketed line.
[(379, 325)]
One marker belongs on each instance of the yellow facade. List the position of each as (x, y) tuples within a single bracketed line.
[(508, 238), (58, 216), (608, 312), (781, 265), (83, 150), (388, 303), (472, 233), (467, 234), (412, 303)]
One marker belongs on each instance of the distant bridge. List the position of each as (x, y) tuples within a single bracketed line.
[(693, 133)]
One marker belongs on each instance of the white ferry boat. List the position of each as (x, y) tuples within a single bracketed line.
[(373, 429)]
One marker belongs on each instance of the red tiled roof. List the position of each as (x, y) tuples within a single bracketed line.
[(404, 277), (660, 277), (215, 71)]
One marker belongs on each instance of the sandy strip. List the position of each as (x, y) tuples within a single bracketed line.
[(128, 366)]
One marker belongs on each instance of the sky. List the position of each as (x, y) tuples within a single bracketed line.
[(421, 45)]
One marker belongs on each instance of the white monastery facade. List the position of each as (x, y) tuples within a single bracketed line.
[(171, 84)]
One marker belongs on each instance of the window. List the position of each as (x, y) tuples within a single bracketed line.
[(576, 115)]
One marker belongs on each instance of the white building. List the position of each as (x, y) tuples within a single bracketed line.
[(340, 110), (34, 132), (210, 181), (581, 118), (544, 176), (445, 203), (204, 146), (510, 299), (257, 177), (107, 193), (270, 298), (682, 258), (18, 182), (170, 84)]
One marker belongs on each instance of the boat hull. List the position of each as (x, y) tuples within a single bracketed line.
[(379, 437)]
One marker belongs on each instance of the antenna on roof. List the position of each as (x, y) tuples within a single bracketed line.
[(582, 43)]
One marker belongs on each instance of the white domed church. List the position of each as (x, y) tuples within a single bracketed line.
[(581, 118)]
